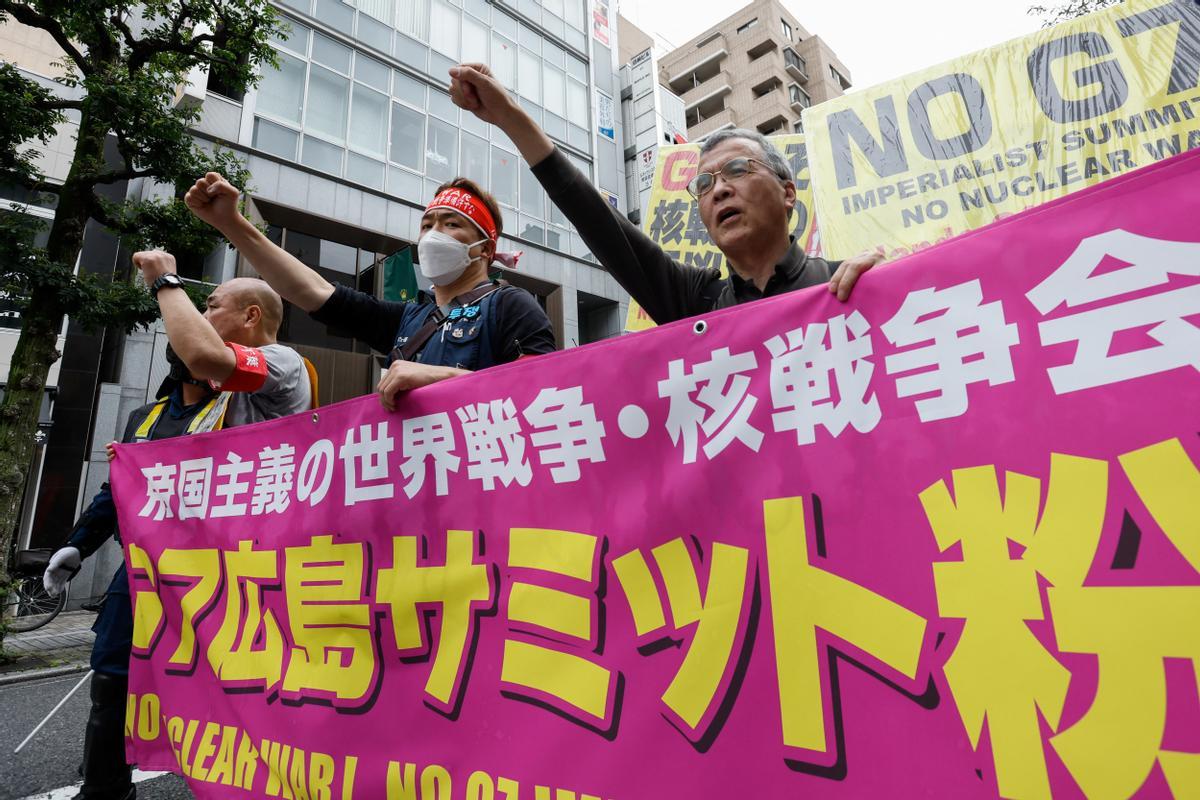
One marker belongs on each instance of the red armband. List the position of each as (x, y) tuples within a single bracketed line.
[(249, 373)]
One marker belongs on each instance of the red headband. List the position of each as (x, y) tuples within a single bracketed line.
[(469, 206)]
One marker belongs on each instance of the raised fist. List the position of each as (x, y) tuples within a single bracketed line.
[(214, 200)]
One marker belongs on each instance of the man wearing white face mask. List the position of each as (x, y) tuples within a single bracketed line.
[(466, 324)]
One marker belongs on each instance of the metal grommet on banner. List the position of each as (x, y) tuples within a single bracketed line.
[(316, 417), (700, 327)]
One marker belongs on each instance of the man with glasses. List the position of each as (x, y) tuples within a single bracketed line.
[(745, 193)]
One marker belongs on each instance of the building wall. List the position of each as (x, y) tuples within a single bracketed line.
[(736, 73)]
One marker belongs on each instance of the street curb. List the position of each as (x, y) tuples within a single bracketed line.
[(47, 672)]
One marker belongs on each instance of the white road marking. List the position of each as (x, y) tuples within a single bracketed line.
[(67, 792)]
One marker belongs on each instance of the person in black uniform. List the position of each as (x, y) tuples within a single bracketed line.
[(185, 405), (467, 323)]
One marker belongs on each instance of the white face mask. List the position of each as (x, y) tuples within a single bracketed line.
[(443, 258)]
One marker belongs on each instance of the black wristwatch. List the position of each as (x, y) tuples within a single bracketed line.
[(168, 280)]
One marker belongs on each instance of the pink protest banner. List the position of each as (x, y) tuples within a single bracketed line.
[(939, 541)]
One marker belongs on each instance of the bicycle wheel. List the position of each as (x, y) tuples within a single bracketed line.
[(30, 606)]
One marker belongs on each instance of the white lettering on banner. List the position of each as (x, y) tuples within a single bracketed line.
[(1148, 263), (961, 327), (721, 388), (160, 488), (195, 481), (566, 431), (365, 464), (318, 461), (805, 372), (495, 445), (229, 486), (273, 481), (423, 438)]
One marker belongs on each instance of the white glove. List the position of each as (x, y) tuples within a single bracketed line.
[(62, 567)]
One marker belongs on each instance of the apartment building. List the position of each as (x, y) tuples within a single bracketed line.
[(758, 68), (345, 144)]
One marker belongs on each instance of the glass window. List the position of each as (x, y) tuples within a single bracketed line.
[(412, 18), (787, 29), (335, 14), (330, 53), (366, 171), (554, 90), (328, 96), (603, 72), (504, 177), (555, 216), (554, 26), (439, 68), (379, 9), (531, 192), (322, 156), (531, 39), (577, 68), (577, 39), (531, 229), (474, 124), (504, 24), (408, 136), (553, 6), (403, 183), (579, 138), (555, 126), (554, 238), (480, 8), (577, 103), (410, 90), (368, 121), (441, 150), (504, 61), (530, 8), (573, 13), (412, 53), (371, 72), (299, 5), (444, 28), (281, 91), (441, 104), (474, 159), (474, 41), (529, 75), (275, 139), (554, 54), (296, 39), (374, 34)]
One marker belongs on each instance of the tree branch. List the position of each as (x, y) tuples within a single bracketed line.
[(27, 16), (61, 105)]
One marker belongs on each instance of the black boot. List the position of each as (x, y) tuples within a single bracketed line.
[(106, 776)]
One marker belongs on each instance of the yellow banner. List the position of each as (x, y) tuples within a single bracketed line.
[(909, 163), (673, 217)]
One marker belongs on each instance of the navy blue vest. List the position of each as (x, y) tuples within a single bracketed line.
[(464, 341)]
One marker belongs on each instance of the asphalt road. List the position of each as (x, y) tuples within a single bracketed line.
[(47, 768)]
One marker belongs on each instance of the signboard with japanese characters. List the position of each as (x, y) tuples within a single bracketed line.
[(673, 216), (917, 160), (606, 120), (940, 540)]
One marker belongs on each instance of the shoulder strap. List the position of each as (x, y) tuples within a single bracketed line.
[(423, 334)]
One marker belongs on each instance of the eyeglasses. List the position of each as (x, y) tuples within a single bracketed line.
[(731, 170)]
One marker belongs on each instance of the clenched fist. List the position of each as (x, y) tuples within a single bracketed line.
[(214, 200), (153, 263)]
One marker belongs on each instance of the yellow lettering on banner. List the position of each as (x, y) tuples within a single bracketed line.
[(576, 681), (480, 786), (805, 599), (203, 569), (221, 770), (1113, 748), (911, 162), (401, 785), (205, 750), (148, 620), (321, 774), (147, 717), (330, 621), (235, 658), (1169, 484), (999, 670), (185, 752), (435, 783), (247, 763), (131, 706), (551, 609), (175, 737), (348, 771), (296, 775), (462, 588), (277, 757), (634, 576)]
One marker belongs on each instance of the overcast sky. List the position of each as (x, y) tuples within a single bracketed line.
[(877, 41)]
